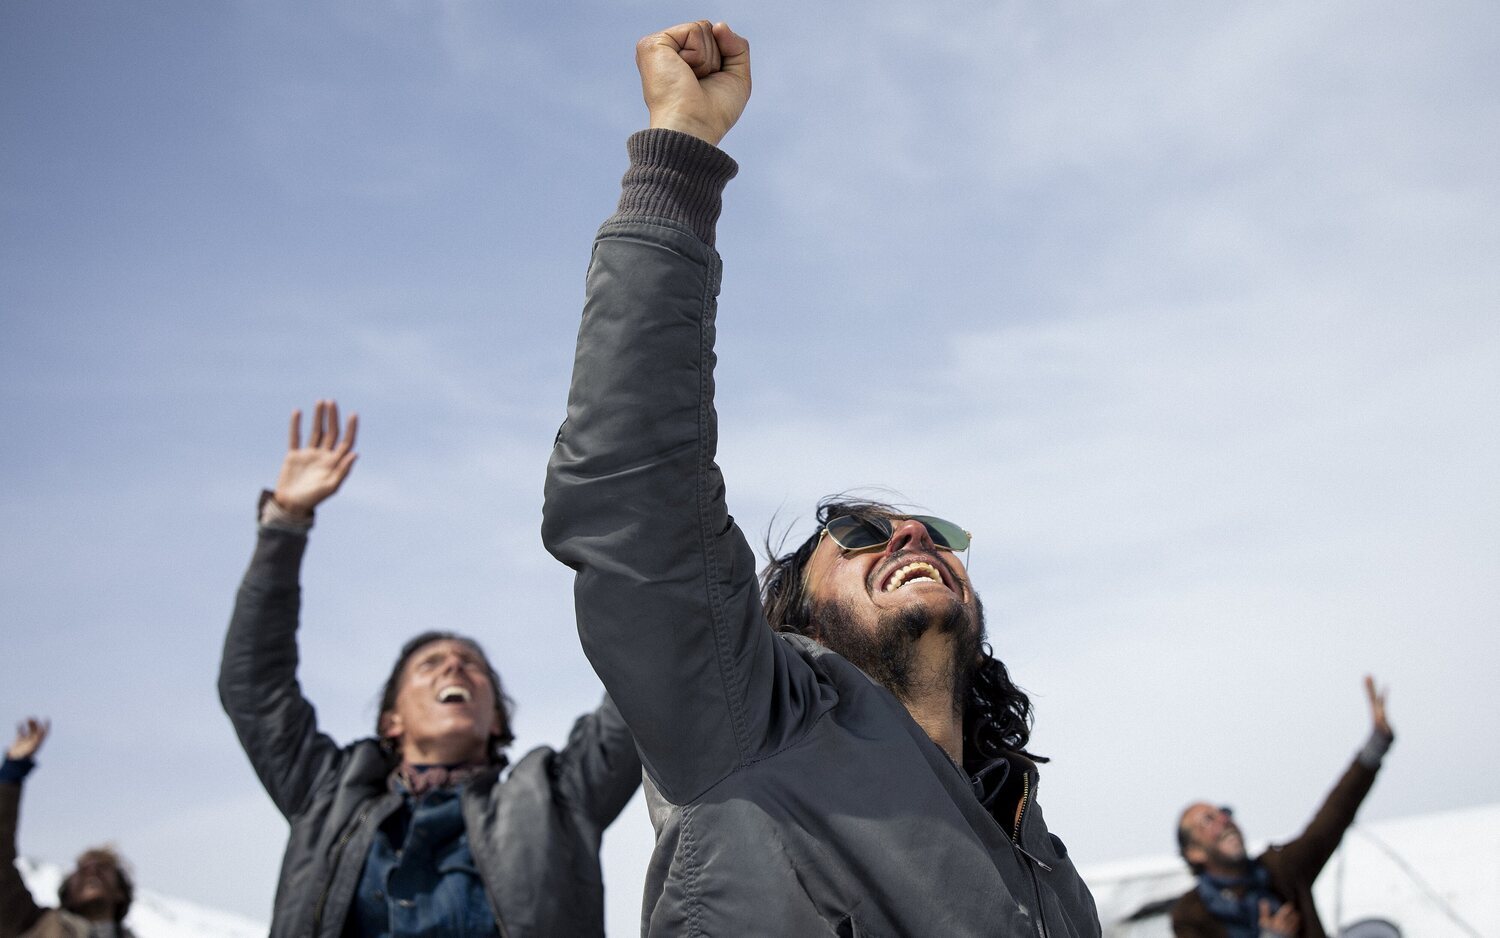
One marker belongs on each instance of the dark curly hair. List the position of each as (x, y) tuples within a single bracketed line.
[(997, 714), (503, 704)]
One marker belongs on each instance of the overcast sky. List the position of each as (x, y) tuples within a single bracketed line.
[(1188, 311)]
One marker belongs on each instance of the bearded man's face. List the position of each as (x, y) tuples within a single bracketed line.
[(872, 607)]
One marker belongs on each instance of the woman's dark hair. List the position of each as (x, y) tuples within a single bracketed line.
[(997, 713), (503, 704), (122, 879)]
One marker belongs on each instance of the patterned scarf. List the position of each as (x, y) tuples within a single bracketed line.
[(1235, 900), (418, 780)]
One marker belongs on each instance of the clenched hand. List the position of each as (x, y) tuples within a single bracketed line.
[(695, 78), (1284, 921)]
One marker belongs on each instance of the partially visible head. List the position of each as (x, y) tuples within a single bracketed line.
[(99, 888), (1209, 840), (444, 703), (872, 604)]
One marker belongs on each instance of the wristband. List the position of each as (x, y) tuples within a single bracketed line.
[(15, 770)]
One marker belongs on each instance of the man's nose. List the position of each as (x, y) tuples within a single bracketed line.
[(909, 534)]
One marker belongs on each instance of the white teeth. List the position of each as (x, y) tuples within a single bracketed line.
[(454, 692), (912, 572)]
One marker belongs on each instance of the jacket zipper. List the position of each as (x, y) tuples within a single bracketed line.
[(1015, 841), (1015, 836), (338, 852)]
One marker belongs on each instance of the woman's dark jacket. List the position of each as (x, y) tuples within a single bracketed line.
[(534, 835)]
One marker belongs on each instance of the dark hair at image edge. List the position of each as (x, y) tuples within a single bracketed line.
[(122, 879), (503, 704), (997, 713)]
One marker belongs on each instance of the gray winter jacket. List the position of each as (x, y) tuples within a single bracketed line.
[(534, 836), (792, 795)]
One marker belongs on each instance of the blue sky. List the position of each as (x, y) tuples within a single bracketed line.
[(1188, 312)]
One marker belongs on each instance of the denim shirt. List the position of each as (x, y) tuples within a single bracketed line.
[(419, 878)]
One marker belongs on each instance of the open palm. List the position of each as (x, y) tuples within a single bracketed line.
[(1377, 708), (30, 733), (311, 473)]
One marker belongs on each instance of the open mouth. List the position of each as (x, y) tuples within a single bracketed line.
[(912, 572), (454, 693)]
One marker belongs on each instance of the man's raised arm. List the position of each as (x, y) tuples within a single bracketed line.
[(1312, 850), (666, 591)]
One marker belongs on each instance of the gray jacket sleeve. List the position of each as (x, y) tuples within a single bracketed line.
[(666, 592), (258, 686), (598, 770)]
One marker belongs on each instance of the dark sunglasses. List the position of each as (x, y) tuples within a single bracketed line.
[(857, 535), (1206, 819)]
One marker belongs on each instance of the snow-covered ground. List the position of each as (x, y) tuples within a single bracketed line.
[(1432, 876)]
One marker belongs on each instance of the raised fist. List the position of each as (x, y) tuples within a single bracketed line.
[(695, 78)]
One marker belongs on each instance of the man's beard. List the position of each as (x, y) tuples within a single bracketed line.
[(99, 906), (1222, 857), (888, 653)]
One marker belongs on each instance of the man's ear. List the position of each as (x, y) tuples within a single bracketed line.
[(1195, 855), (390, 725)]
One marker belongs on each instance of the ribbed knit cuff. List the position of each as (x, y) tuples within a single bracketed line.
[(1375, 749), (675, 176), (273, 516), (16, 770)]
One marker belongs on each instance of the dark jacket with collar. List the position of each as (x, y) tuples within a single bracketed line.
[(1293, 866), (534, 835), (792, 795)]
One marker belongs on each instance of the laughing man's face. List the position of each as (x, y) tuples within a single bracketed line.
[(1214, 840), (872, 607)]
